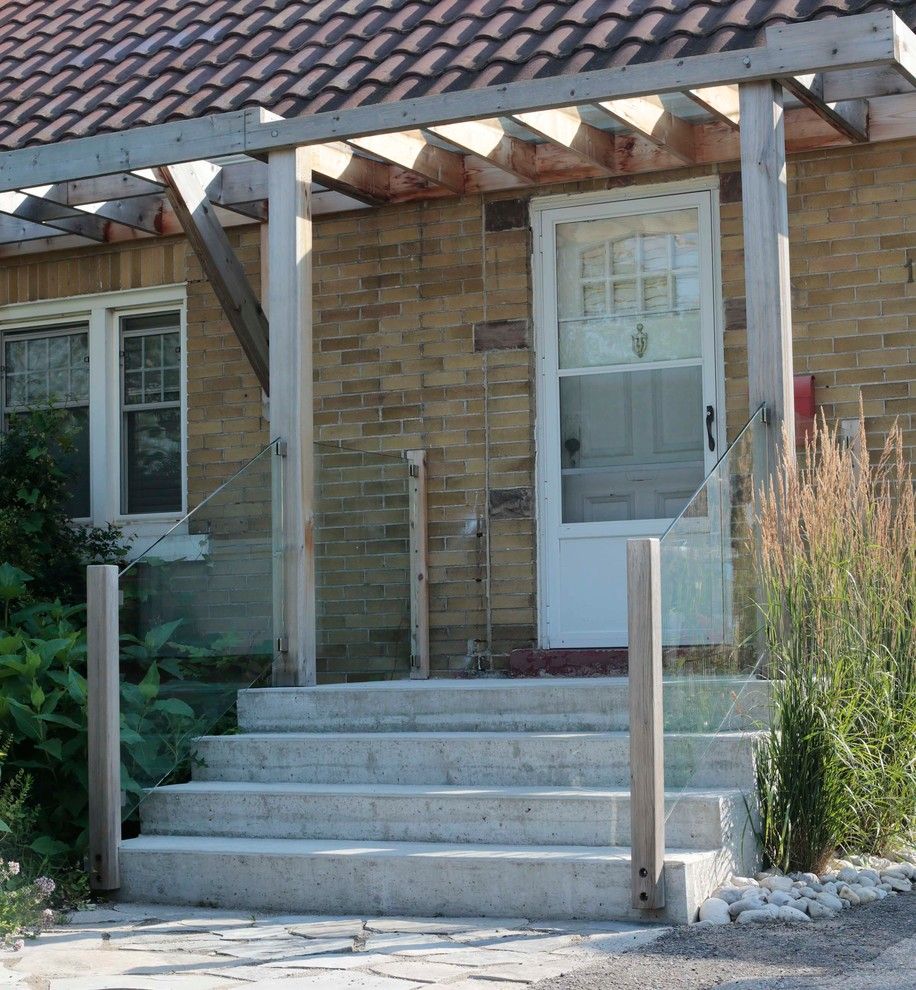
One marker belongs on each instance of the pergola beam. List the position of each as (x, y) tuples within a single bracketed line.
[(488, 139), (339, 168), (647, 116), (849, 117), (24, 206), (77, 192), (878, 38), (720, 101), (565, 127), (411, 151), (221, 265)]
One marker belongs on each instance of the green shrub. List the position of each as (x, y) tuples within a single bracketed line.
[(36, 532), (838, 562), (43, 708)]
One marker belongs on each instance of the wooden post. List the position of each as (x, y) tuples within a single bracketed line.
[(104, 725), (766, 259), (289, 297), (647, 758), (419, 572)]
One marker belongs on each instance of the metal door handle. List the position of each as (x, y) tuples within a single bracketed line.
[(710, 419)]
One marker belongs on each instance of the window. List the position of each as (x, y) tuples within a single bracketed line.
[(151, 414), (116, 363), (46, 367)]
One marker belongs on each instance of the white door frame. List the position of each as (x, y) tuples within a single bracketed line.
[(546, 212)]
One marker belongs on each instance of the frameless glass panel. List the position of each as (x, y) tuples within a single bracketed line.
[(362, 564), (197, 621), (631, 443), (714, 656), (628, 289)]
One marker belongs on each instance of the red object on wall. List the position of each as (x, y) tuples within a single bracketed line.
[(804, 408)]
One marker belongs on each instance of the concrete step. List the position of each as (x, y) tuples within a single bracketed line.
[(475, 759), (420, 879), (415, 813), (547, 704)]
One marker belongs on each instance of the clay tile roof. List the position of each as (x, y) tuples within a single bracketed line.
[(69, 68)]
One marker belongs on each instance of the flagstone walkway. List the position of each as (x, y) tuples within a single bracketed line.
[(152, 947)]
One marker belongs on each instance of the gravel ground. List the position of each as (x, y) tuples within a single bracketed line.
[(866, 948)]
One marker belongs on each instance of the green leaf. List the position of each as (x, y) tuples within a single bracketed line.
[(76, 685), (51, 648), (12, 582), (37, 696), (174, 706), (4, 827), (24, 719), (52, 747), (157, 637), (149, 686), (44, 845)]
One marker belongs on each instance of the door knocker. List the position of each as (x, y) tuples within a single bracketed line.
[(640, 340)]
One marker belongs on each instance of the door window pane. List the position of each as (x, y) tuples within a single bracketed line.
[(628, 289), (631, 443)]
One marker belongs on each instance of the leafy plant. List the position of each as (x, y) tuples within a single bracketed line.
[(838, 564), (36, 532), (43, 697)]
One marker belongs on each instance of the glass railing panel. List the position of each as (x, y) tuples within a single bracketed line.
[(196, 625), (713, 649), (362, 562)]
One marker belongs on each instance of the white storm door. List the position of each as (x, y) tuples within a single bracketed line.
[(630, 374)]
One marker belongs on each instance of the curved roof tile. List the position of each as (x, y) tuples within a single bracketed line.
[(69, 68)]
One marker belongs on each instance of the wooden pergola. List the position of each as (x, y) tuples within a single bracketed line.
[(853, 79), (850, 79)]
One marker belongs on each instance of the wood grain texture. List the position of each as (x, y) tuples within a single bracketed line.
[(419, 567), (766, 256), (223, 269), (103, 723), (289, 296), (647, 758)]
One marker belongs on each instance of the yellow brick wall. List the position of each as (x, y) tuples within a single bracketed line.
[(398, 291)]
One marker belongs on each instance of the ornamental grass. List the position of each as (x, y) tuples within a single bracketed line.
[(837, 768)]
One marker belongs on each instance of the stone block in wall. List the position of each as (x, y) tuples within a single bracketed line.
[(501, 335), (505, 214), (511, 503)]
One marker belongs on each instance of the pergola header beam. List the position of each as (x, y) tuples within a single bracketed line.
[(875, 39)]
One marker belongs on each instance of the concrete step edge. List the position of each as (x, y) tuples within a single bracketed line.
[(371, 849)]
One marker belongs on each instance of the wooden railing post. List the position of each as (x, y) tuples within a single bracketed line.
[(419, 574), (647, 762), (103, 723)]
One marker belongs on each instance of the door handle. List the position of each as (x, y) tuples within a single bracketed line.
[(710, 419)]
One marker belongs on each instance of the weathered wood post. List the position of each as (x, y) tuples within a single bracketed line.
[(766, 259), (104, 725), (419, 568), (289, 296), (647, 757)]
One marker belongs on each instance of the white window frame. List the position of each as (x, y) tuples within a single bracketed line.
[(103, 312)]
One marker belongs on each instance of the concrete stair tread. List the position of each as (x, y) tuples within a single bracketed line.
[(483, 684), (214, 845), (420, 736), (437, 790)]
